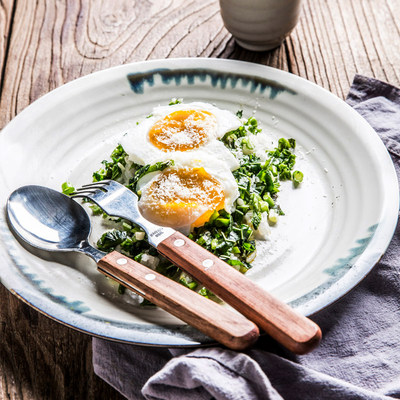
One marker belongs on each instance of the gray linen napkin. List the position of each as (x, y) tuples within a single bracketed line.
[(359, 357)]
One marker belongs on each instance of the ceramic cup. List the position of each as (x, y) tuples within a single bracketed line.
[(260, 24)]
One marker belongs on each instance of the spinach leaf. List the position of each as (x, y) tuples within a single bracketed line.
[(147, 169), (112, 169)]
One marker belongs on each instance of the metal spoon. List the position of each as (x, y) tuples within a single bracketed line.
[(51, 221)]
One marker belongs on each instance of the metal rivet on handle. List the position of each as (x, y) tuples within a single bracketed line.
[(150, 277), (207, 263), (122, 261), (179, 242)]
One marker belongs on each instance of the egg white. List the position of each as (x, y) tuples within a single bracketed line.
[(141, 151)]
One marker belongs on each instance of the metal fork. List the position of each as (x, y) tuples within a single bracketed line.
[(296, 332), (119, 201)]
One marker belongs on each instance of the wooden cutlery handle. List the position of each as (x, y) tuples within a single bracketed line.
[(220, 323), (294, 331)]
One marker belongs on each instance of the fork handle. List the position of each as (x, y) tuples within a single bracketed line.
[(220, 323), (294, 331)]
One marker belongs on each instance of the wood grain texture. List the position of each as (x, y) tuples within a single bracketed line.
[(40, 359), (6, 16), (44, 44)]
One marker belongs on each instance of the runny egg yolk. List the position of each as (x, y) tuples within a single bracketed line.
[(183, 130), (182, 198)]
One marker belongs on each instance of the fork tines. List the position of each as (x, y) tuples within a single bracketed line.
[(91, 188), (95, 185), (99, 183)]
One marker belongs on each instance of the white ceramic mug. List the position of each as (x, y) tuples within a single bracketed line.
[(260, 24)]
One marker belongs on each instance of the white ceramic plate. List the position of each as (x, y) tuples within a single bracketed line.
[(336, 227)]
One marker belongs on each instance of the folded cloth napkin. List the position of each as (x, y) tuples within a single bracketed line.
[(358, 358)]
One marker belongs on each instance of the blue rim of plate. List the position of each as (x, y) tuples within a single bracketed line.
[(344, 276)]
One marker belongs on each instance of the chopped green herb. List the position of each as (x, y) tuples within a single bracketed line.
[(223, 236), (297, 178), (111, 239), (96, 210), (67, 188), (175, 101), (112, 169), (186, 281), (259, 182)]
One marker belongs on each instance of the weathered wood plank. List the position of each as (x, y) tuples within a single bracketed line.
[(6, 14), (41, 359), (336, 39)]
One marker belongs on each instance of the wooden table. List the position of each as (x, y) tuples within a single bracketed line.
[(44, 44)]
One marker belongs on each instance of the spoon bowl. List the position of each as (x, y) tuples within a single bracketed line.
[(47, 219)]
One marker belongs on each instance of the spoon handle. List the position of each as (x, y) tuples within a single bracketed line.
[(220, 323), (294, 331)]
